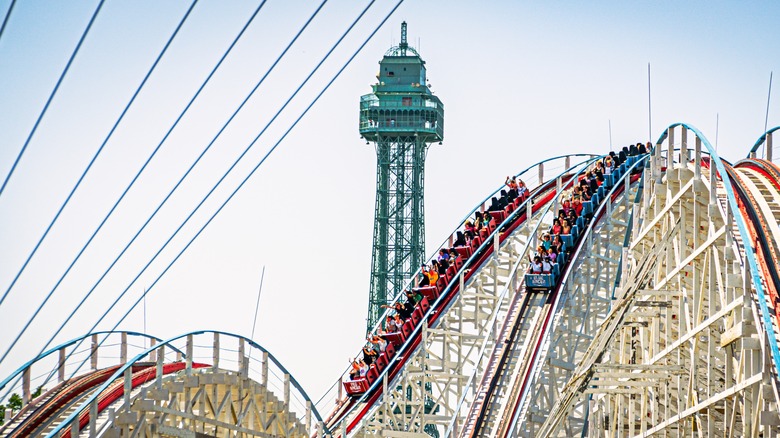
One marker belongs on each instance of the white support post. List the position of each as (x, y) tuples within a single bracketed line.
[(160, 360), (684, 147), (768, 146), (243, 360), (153, 354), (656, 165), (123, 348), (215, 353), (264, 370), (287, 390), (567, 162), (308, 417), (93, 415), (26, 394), (670, 151), (697, 160), (541, 173), (128, 382), (190, 348), (61, 366), (94, 353)]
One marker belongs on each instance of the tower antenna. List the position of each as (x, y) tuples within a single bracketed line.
[(404, 45)]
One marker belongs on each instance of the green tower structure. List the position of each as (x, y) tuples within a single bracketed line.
[(401, 118)]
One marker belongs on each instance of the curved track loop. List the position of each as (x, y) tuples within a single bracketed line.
[(765, 140), (208, 382), (689, 347)]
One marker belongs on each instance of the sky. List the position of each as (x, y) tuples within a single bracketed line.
[(520, 82)]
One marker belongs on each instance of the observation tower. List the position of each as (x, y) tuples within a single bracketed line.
[(401, 118)]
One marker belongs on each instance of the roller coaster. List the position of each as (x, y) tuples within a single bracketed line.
[(661, 318)]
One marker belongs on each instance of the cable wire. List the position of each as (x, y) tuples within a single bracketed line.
[(81, 178), (265, 157), (130, 185), (7, 16), (48, 102), (70, 316)]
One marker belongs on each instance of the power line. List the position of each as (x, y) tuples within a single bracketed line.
[(94, 158), (7, 16), (48, 102), (127, 189)]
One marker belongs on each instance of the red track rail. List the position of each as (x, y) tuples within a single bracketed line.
[(117, 389), (545, 193), (766, 251)]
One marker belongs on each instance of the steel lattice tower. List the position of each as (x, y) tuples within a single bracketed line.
[(401, 117)]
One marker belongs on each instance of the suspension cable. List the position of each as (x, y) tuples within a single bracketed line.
[(116, 260), (265, 157), (7, 16), (89, 166), (48, 102), (181, 252), (132, 182)]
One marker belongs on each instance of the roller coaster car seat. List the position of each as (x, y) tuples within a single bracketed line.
[(484, 232), (424, 305), (509, 209), (459, 260), (498, 216), (429, 292), (389, 351), (408, 328), (417, 316), (492, 226), (442, 283), (464, 252), (475, 242), (395, 339), (381, 362), (372, 375), (452, 271)]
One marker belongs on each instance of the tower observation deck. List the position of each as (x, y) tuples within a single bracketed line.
[(401, 118)]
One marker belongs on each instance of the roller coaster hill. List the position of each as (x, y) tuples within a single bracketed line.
[(659, 318)]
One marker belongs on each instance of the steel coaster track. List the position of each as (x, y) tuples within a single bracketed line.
[(539, 199)]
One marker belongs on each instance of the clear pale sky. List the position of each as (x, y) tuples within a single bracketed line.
[(520, 81)]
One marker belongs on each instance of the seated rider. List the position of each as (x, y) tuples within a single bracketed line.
[(536, 266), (546, 265)]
